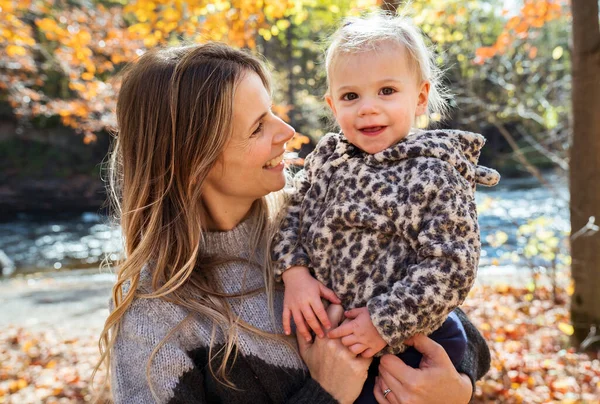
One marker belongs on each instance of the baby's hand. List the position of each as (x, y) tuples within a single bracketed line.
[(302, 300), (359, 334)]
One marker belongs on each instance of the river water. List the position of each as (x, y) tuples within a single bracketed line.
[(77, 241)]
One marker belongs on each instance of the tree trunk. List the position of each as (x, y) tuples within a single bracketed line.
[(585, 166)]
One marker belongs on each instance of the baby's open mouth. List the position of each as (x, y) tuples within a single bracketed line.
[(372, 129)]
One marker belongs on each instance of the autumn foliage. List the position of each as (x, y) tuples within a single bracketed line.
[(533, 15), (60, 58)]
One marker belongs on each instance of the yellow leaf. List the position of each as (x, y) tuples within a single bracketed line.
[(566, 328), (21, 384), (150, 41), (557, 53), (15, 50), (27, 346)]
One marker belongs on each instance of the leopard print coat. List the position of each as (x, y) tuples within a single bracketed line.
[(395, 231)]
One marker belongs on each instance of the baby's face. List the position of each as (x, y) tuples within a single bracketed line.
[(375, 96)]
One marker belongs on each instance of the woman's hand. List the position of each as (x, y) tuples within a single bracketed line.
[(340, 372), (436, 380)]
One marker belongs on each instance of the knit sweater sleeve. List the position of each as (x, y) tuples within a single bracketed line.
[(141, 329), (476, 361), (445, 234), (287, 250)]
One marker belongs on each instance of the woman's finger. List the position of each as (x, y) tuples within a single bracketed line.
[(379, 395), (397, 367), (335, 313), (303, 344), (312, 321), (395, 385), (381, 387), (433, 353), (301, 325), (319, 310), (286, 319)]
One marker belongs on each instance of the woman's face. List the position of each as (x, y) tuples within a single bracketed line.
[(251, 165)]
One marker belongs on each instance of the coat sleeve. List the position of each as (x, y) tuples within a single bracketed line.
[(445, 234), (476, 362), (287, 248), (140, 332)]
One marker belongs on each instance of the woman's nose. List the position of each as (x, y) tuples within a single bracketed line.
[(284, 132)]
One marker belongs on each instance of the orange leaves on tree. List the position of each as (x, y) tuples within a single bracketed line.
[(236, 22), (77, 44), (533, 15), (296, 142)]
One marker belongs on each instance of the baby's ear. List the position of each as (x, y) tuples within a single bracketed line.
[(330, 103), (423, 98)]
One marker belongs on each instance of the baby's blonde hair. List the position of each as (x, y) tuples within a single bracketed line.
[(371, 32)]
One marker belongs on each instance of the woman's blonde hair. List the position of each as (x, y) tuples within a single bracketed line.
[(379, 28), (174, 115)]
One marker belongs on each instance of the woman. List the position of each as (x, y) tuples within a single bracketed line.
[(195, 313)]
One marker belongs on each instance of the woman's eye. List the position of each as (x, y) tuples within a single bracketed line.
[(258, 129), (349, 96), (387, 91)]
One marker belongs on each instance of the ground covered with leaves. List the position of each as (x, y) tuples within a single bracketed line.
[(528, 333)]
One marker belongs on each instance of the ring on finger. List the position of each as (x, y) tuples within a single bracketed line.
[(386, 392)]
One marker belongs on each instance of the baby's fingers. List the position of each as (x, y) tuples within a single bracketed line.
[(319, 310), (346, 328), (328, 294), (312, 321), (369, 353), (301, 325), (357, 349), (285, 319)]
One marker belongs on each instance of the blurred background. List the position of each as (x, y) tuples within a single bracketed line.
[(507, 63)]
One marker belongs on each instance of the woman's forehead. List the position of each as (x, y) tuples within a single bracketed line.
[(251, 99)]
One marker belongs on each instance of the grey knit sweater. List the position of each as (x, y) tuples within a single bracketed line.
[(265, 371)]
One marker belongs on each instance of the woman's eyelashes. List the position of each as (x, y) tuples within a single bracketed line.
[(258, 129)]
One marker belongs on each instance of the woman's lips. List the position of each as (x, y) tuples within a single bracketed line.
[(276, 163), (372, 130)]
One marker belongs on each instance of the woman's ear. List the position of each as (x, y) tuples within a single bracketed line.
[(423, 98)]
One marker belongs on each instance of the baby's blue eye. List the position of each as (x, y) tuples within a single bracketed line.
[(349, 96), (387, 91)]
